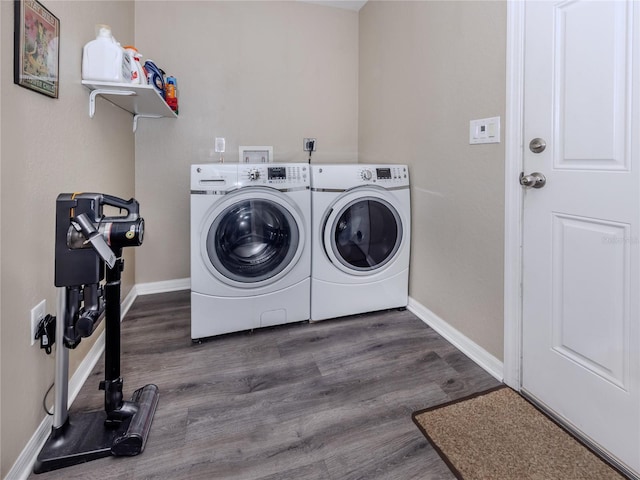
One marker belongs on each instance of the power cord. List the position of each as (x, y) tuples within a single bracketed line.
[(44, 400), (46, 332), (311, 144)]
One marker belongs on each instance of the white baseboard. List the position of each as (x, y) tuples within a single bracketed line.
[(23, 466), (164, 286), (475, 352)]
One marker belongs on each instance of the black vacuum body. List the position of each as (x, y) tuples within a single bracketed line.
[(88, 272)]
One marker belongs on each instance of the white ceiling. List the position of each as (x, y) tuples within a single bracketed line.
[(346, 4)]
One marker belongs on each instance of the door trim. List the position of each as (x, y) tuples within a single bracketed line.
[(513, 195)]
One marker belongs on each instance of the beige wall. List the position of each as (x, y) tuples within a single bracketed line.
[(49, 146), (255, 73), (426, 69)]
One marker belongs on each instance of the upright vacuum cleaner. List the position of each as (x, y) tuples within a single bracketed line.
[(86, 243)]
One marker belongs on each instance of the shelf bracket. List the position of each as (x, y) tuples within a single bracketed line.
[(98, 91), (142, 115)]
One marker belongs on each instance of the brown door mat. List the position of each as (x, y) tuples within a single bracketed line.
[(499, 435)]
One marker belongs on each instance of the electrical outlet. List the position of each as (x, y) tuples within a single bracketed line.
[(37, 314), (309, 144)]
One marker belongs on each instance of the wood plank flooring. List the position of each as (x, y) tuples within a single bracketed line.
[(324, 401)]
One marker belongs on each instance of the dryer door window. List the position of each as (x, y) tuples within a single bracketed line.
[(366, 234), (252, 240)]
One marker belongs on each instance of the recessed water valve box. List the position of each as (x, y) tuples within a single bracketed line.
[(255, 154)]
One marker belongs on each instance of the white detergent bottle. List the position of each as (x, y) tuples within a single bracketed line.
[(104, 60)]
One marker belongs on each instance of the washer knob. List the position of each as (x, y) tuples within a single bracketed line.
[(366, 175), (254, 174)]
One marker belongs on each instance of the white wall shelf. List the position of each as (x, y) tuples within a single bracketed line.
[(143, 101)]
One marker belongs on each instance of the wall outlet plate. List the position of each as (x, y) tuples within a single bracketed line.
[(37, 314), (306, 144), (220, 145)]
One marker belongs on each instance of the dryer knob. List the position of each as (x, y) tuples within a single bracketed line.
[(254, 174), (366, 175)]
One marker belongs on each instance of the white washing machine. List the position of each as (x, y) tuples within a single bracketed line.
[(361, 229), (250, 246)]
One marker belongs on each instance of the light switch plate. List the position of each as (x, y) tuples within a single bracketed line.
[(484, 130)]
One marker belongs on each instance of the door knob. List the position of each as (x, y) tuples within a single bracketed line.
[(537, 145), (535, 180)]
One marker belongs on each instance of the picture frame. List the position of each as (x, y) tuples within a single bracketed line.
[(36, 48)]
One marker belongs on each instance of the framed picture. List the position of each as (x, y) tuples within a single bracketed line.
[(36, 47)]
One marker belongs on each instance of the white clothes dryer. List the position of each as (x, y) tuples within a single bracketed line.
[(361, 229), (250, 246)]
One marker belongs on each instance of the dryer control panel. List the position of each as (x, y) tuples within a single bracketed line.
[(276, 175), (384, 174), (344, 177)]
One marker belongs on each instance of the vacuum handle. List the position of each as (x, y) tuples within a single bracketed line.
[(131, 206)]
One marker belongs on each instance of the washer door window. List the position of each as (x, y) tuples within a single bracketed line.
[(365, 234), (252, 240)]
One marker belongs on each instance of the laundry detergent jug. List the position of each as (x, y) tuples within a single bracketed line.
[(104, 60)]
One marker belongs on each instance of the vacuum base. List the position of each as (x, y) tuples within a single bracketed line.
[(84, 436), (82, 439)]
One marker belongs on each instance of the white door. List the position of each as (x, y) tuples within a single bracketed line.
[(581, 238)]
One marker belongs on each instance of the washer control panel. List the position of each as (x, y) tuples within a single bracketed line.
[(281, 175)]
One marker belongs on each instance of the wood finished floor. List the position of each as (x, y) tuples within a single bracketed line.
[(323, 401)]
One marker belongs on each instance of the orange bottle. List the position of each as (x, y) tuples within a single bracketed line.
[(171, 93)]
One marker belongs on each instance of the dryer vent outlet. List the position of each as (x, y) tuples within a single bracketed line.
[(309, 144)]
